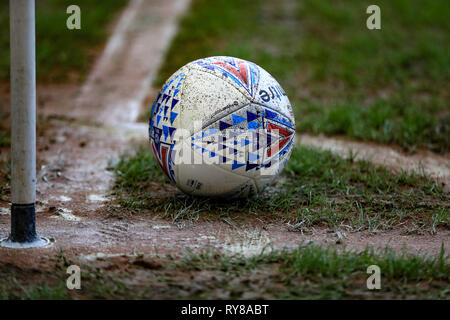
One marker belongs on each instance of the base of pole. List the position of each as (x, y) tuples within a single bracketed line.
[(39, 242), (23, 223), (23, 229)]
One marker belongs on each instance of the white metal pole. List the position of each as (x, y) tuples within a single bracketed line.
[(23, 102), (23, 125)]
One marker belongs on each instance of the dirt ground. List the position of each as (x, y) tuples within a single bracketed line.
[(88, 126)]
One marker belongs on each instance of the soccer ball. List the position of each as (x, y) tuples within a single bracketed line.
[(221, 126)]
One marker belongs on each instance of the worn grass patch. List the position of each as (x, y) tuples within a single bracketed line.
[(5, 136), (5, 177), (307, 272), (317, 189), (62, 54), (388, 86), (4, 140), (22, 284), (312, 272)]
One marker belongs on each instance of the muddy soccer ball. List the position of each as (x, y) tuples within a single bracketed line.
[(221, 126)]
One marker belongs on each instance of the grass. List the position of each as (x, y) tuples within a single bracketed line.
[(137, 171), (95, 285), (307, 272), (5, 177), (62, 54), (312, 272), (35, 292), (317, 189), (388, 86), (4, 140)]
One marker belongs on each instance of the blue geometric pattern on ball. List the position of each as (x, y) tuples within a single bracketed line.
[(241, 129), (161, 129)]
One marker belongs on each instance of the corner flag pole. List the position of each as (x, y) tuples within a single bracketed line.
[(23, 127)]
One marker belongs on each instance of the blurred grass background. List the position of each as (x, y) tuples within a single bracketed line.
[(390, 85), (62, 54)]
